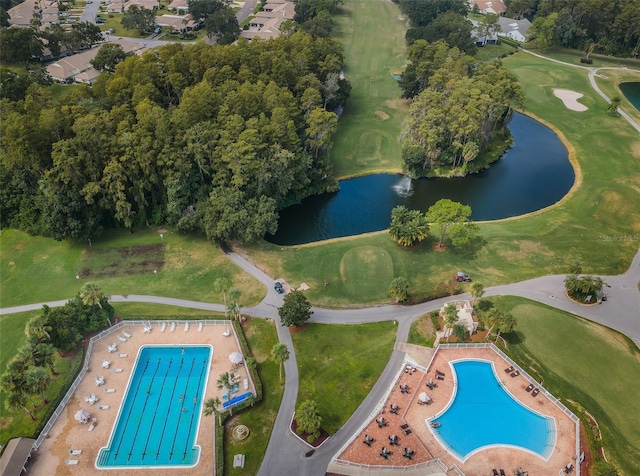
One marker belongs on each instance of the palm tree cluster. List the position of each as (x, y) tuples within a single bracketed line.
[(408, 227), (583, 288)]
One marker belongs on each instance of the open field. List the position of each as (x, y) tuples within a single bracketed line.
[(338, 366), (367, 137), (608, 81), (119, 263), (589, 364)]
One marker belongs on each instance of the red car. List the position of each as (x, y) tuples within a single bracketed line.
[(462, 277)]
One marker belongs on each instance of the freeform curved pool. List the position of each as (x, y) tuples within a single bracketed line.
[(160, 415), (482, 414)]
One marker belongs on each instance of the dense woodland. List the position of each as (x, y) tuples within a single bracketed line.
[(204, 138)]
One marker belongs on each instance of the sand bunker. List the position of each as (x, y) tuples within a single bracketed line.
[(382, 115), (570, 99)]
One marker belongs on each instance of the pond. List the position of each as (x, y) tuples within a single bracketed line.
[(532, 175), (632, 93)]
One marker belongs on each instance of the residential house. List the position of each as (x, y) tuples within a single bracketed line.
[(514, 29), (146, 4), (465, 317), (480, 38), (266, 23), (22, 13), (178, 6), (489, 6), (179, 23)]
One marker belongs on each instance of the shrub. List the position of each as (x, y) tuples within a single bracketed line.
[(434, 319), (586, 60)]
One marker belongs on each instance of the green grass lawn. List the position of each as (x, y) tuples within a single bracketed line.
[(112, 21), (489, 52), (338, 366), (187, 267), (599, 61), (608, 81), (584, 225), (261, 336), (584, 362), (367, 136)]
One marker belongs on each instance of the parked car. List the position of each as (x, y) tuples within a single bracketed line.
[(462, 277), (278, 287)]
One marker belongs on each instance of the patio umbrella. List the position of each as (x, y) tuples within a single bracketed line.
[(82, 416), (235, 357), (424, 397)]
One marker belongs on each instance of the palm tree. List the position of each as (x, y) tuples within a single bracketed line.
[(308, 418), (234, 307), (43, 355), (477, 291), (280, 353), (16, 401), (450, 317), (211, 406), (91, 295), (225, 382), (571, 284), (222, 285), (38, 380), (37, 329), (575, 267)]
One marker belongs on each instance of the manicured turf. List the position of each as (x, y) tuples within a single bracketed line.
[(338, 366), (587, 363), (187, 269), (608, 80), (367, 137)]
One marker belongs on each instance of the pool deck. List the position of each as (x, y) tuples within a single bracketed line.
[(69, 434), (427, 447)]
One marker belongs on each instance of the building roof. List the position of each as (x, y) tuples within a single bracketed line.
[(176, 21), (15, 456), (22, 13), (490, 6), (175, 4), (510, 24), (146, 4), (280, 10)]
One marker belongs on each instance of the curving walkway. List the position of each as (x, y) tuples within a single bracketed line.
[(285, 453)]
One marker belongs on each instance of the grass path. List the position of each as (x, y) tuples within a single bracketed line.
[(367, 137)]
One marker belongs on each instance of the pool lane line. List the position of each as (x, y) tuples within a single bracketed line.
[(173, 392), (126, 421), (182, 402), (144, 406), (153, 422), (203, 369)]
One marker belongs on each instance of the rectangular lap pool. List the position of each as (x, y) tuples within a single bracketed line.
[(160, 414)]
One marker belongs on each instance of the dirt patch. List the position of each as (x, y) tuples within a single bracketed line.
[(126, 260), (382, 115), (297, 329), (398, 104)]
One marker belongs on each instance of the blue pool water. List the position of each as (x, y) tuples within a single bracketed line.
[(483, 414), (160, 414)]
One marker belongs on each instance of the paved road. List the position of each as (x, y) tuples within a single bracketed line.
[(90, 11)]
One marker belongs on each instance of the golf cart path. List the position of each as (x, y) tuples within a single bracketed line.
[(285, 453)]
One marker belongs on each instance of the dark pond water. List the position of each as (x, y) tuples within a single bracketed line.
[(533, 174), (632, 93)]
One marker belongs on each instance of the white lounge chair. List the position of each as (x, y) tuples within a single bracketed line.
[(173, 327), (103, 407), (126, 334), (122, 339), (71, 462), (163, 327), (91, 427), (75, 452), (117, 371), (123, 355), (199, 326), (226, 333), (109, 390), (186, 326), (147, 328), (246, 384)]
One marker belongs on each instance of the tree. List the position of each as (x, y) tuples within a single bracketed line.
[(612, 110), (109, 55), (308, 418), (234, 305), (211, 406), (543, 30), (408, 227), (460, 332), (222, 285), (19, 45), (37, 330), (16, 401), (580, 288), (450, 316), (38, 380), (295, 310), (477, 291), (321, 126), (84, 34), (451, 219), (280, 353), (43, 354), (489, 26), (575, 267), (225, 381), (138, 18), (499, 320), (223, 26), (399, 289)]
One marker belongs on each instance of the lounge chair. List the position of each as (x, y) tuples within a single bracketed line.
[(529, 388), (502, 473), (226, 333), (173, 327), (126, 334), (71, 462), (495, 472), (117, 371), (109, 390), (186, 326), (515, 374), (439, 373), (122, 339), (122, 355), (407, 431), (163, 326), (535, 392), (91, 427), (245, 384), (405, 426), (509, 370), (439, 377), (75, 452), (199, 326), (103, 407)]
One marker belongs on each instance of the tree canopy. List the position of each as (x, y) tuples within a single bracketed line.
[(212, 139), (408, 227), (451, 220), (295, 310)]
